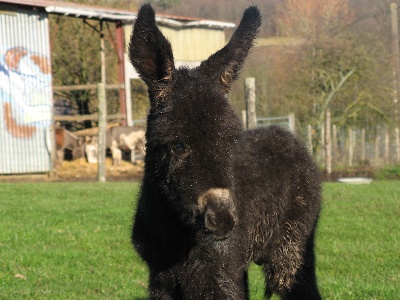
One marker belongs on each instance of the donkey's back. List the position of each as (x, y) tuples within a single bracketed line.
[(278, 193)]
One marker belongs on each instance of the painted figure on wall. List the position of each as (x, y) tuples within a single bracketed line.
[(26, 97), (25, 90)]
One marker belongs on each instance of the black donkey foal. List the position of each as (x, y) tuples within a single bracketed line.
[(215, 198)]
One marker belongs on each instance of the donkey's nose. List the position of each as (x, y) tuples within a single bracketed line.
[(218, 212)]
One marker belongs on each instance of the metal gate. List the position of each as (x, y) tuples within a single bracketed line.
[(287, 122)]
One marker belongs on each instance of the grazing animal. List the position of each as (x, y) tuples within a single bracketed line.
[(124, 138), (91, 149), (215, 198), (68, 141)]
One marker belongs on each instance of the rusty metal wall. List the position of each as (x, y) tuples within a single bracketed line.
[(25, 91)]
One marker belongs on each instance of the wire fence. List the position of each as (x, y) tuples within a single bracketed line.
[(349, 147)]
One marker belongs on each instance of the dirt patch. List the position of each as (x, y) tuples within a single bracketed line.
[(81, 170)]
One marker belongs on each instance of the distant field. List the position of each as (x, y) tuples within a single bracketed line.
[(72, 241)]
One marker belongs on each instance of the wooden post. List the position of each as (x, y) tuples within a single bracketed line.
[(102, 55), (244, 119), (250, 94), (292, 123), (363, 145), (397, 138), (119, 33), (395, 58), (386, 158), (351, 145), (128, 96), (101, 171), (377, 146), (309, 137), (328, 142), (322, 140), (334, 144)]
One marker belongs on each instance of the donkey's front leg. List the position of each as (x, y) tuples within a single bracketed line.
[(163, 286), (133, 156), (214, 281)]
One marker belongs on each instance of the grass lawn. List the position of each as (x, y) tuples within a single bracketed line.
[(72, 241)]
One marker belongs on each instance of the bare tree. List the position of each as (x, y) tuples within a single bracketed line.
[(336, 64)]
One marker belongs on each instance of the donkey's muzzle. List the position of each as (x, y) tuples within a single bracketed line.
[(218, 214)]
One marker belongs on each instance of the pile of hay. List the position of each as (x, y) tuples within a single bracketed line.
[(80, 169)]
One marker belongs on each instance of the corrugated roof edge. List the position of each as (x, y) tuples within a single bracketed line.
[(113, 14)]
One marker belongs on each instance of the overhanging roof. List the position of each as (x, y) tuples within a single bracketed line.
[(112, 14), (91, 13)]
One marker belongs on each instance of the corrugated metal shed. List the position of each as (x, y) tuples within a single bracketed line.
[(26, 108), (112, 14), (25, 92)]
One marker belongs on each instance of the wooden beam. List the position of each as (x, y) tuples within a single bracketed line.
[(94, 131), (91, 117), (82, 87)]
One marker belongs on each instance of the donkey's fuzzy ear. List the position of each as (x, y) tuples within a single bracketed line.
[(225, 64), (149, 51)]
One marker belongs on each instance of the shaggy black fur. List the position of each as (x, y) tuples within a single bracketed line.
[(215, 198)]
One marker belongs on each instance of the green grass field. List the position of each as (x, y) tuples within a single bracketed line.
[(72, 241)]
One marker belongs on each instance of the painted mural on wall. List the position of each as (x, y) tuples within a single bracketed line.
[(25, 93), (25, 85)]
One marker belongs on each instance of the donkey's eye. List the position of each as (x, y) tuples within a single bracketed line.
[(179, 149)]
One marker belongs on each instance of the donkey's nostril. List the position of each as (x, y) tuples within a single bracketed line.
[(219, 222), (210, 221)]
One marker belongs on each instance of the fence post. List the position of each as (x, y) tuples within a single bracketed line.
[(397, 137), (363, 145), (328, 142), (322, 141), (128, 96), (377, 146), (244, 119), (334, 144), (386, 158), (309, 137), (250, 98), (101, 171), (352, 143), (292, 123)]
